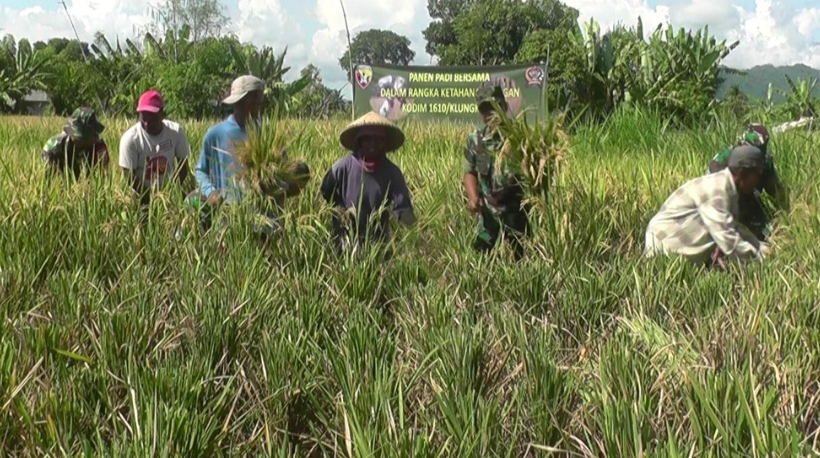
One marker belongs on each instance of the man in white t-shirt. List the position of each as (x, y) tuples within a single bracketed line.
[(153, 149)]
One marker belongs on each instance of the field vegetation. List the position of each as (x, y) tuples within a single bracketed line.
[(123, 338)]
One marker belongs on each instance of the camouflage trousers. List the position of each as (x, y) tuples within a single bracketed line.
[(754, 214), (512, 226)]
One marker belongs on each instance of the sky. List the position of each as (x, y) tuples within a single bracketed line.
[(778, 32)]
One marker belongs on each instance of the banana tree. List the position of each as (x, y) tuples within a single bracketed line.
[(680, 72), (119, 71), (592, 85), (800, 100), (264, 64), (21, 74)]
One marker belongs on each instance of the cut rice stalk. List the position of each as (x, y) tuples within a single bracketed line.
[(267, 168), (534, 151)]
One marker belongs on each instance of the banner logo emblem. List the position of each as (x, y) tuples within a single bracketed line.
[(534, 76), (363, 76)]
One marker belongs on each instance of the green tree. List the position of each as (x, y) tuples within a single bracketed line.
[(440, 32), (118, 69), (263, 63), (377, 47), (75, 50), (204, 18), (737, 101), (318, 101), (193, 89), (566, 62), (491, 32), (58, 44)]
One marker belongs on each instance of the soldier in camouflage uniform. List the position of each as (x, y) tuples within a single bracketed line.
[(79, 146), (754, 214), (495, 197)]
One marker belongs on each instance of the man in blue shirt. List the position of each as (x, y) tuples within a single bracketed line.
[(216, 170)]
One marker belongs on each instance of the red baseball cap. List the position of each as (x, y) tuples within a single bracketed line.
[(151, 102)]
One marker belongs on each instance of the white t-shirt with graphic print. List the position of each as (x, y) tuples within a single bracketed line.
[(155, 157)]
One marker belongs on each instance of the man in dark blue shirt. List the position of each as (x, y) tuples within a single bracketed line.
[(365, 182)]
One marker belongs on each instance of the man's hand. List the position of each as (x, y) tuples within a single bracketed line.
[(475, 205), (474, 202), (718, 259), (407, 217), (764, 251), (215, 199)]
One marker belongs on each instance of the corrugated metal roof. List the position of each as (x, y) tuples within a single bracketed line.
[(37, 96)]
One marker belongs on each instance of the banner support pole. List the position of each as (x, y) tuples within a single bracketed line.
[(350, 65)]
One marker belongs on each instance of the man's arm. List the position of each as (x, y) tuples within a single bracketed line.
[(134, 177), (184, 171), (473, 193), (129, 162), (474, 202), (720, 161), (722, 227), (52, 155), (101, 155), (203, 168), (402, 203), (328, 188)]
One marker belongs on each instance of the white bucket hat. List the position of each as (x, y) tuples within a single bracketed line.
[(241, 86)]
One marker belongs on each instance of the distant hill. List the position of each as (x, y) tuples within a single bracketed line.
[(755, 83)]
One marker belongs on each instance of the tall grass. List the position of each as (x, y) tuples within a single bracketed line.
[(124, 338)]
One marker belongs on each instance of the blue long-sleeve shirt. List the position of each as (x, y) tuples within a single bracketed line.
[(217, 167)]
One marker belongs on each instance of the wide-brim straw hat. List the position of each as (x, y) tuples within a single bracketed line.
[(395, 136)]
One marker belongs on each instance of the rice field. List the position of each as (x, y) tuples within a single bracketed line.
[(127, 339)]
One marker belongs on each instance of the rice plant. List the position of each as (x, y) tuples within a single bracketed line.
[(125, 336)]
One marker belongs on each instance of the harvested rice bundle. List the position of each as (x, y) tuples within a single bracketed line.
[(266, 166), (533, 150)]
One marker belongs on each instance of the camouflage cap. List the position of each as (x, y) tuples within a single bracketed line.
[(755, 135), (83, 125), (488, 94)]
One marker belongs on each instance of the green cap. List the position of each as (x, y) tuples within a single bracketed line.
[(487, 94), (83, 125), (747, 157)]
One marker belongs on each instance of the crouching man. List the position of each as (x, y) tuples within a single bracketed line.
[(699, 221)]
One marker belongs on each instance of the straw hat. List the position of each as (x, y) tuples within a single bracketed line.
[(395, 137)]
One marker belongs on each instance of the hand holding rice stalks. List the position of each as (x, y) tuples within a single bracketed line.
[(266, 166), (534, 152)]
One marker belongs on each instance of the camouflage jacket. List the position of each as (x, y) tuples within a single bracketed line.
[(770, 181), (501, 191), (60, 151)]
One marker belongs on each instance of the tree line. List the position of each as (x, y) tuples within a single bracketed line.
[(674, 72)]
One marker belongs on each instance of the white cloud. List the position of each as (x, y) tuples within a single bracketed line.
[(112, 17), (405, 17), (695, 14), (774, 32), (610, 13), (265, 22)]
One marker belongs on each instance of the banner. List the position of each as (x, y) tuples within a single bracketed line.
[(443, 93)]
